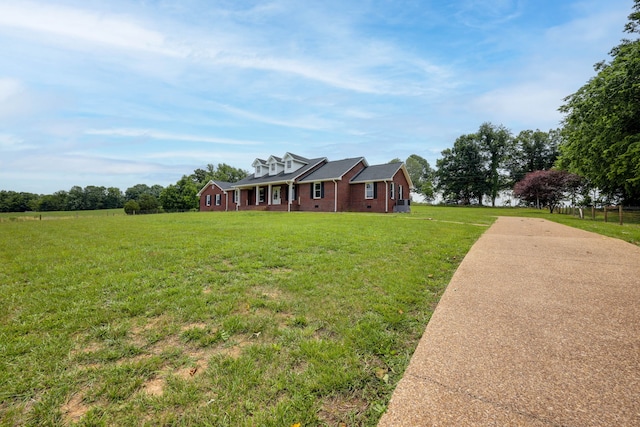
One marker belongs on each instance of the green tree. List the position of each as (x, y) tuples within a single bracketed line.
[(181, 196), (113, 198), (94, 197), (532, 151), (134, 193), (223, 172), (495, 142), (170, 198), (461, 173), (148, 203), (131, 207), (12, 201), (75, 199), (421, 175), (53, 202), (601, 127)]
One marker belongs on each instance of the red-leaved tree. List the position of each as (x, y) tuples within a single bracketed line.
[(547, 188)]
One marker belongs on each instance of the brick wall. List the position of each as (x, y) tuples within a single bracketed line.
[(359, 203), (213, 190), (327, 202)]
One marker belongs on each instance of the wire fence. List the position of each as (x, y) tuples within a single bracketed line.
[(56, 215), (614, 214)]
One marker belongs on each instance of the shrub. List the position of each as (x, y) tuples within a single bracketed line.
[(131, 207)]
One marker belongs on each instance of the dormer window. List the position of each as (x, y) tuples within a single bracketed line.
[(273, 167), (288, 164)]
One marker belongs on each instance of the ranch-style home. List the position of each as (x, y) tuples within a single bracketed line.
[(295, 183)]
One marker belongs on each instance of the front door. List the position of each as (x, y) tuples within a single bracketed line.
[(276, 195)]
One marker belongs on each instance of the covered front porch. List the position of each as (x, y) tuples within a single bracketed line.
[(272, 197)]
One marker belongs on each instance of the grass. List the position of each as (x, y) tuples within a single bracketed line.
[(40, 216), (235, 319)]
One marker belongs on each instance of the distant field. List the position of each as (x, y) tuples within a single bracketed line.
[(240, 318), (36, 216)]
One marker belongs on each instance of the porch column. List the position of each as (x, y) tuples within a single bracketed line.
[(290, 196), (269, 195), (257, 195)]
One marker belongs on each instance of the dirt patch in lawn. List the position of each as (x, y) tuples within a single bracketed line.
[(342, 410), (74, 409)]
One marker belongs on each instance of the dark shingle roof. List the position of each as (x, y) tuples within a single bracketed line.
[(377, 173), (299, 158), (279, 178), (224, 185), (333, 170)]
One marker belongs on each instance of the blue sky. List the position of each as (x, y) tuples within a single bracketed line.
[(118, 93)]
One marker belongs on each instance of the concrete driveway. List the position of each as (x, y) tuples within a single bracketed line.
[(539, 326)]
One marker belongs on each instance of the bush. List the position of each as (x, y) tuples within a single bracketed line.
[(131, 207)]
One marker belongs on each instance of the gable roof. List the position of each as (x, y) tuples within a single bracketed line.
[(384, 172), (333, 170), (296, 157), (223, 185), (280, 177)]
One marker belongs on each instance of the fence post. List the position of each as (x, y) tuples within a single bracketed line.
[(620, 213)]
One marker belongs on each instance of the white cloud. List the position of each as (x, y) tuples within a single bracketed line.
[(488, 13), (154, 134), (310, 122), (9, 88), (107, 29), (12, 143)]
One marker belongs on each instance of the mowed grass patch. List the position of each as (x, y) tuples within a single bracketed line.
[(235, 318)]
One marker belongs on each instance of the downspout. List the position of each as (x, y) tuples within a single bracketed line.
[(226, 201), (288, 196), (386, 197), (335, 195)]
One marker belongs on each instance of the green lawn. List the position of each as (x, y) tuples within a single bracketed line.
[(235, 319)]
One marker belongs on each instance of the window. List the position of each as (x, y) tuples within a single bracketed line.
[(236, 196), (399, 191), (218, 199), (369, 190), (288, 164), (392, 191), (317, 190), (261, 195), (208, 199), (273, 167), (258, 171)]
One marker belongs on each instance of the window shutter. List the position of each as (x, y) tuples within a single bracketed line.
[(311, 186), (375, 190), (322, 190)]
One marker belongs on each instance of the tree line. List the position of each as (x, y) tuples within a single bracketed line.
[(593, 159), (481, 165), (140, 197)]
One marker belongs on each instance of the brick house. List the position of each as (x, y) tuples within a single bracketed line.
[(217, 196), (295, 183)]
